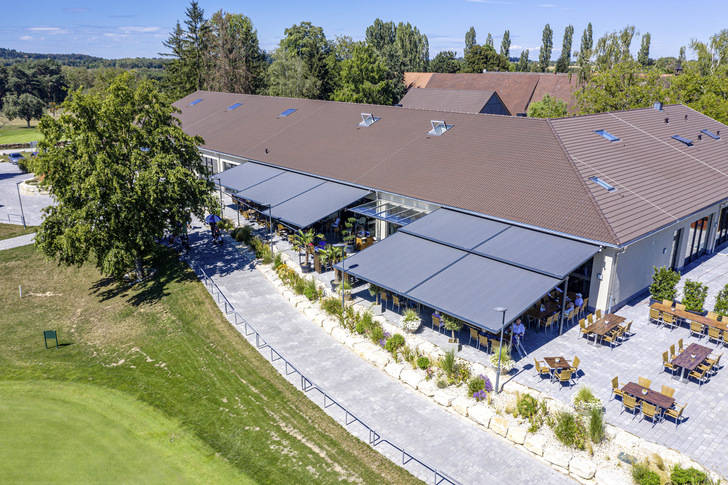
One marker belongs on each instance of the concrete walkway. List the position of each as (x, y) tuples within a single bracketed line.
[(447, 441), (16, 242)]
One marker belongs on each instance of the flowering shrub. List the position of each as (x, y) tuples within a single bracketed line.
[(480, 396), (506, 362), (584, 400), (411, 321)]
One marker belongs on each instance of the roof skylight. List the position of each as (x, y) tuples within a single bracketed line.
[(711, 134), (236, 105), (288, 111), (602, 183), (606, 135), (195, 102), (438, 128), (368, 119), (684, 140)]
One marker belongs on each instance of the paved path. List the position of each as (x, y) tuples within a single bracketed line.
[(16, 242), (445, 440), (10, 205)]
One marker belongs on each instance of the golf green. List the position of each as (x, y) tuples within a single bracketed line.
[(56, 432)]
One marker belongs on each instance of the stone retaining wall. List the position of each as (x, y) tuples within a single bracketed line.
[(577, 464)]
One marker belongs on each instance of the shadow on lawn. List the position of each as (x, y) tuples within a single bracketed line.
[(169, 270)]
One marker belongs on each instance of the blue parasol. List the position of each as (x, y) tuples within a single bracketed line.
[(212, 218)]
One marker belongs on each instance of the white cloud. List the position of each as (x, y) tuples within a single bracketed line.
[(49, 30), (25, 37), (139, 29), (490, 1)]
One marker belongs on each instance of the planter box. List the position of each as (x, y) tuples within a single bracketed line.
[(452, 345)]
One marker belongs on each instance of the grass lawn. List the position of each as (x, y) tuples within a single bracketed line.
[(12, 230), (81, 433), (17, 132), (165, 343)]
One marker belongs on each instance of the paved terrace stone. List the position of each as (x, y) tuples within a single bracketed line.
[(445, 440), (703, 436)]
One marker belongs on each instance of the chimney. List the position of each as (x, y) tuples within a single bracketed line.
[(658, 106)]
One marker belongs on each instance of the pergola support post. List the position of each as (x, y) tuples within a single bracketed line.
[(563, 306)]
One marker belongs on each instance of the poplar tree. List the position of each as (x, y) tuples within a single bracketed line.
[(562, 65), (469, 41), (544, 56), (505, 49), (643, 57)]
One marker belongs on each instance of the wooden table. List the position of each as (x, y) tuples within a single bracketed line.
[(653, 397), (685, 360), (561, 364), (693, 317), (604, 325)]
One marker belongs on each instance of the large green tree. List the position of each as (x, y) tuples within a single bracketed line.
[(643, 56), (547, 46), (184, 73), (707, 93), (308, 42), (446, 62), (711, 55), (547, 107), (26, 107), (613, 48), (233, 62), (288, 76), (585, 53), (484, 58), (522, 65), (505, 49), (364, 78), (562, 64), (469, 41), (126, 174)]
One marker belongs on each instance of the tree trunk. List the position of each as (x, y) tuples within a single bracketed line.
[(139, 268)]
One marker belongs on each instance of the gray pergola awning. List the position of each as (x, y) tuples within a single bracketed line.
[(245, 175), (466, 265), (296, 199)]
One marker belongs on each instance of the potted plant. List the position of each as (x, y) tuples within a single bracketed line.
[(304, 240), (694, 295), (349, 234), (664, 281), (411, 320), (506, 363), (374, 291), (346, 288), (454, 325)]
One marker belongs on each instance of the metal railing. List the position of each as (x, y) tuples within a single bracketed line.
[(16, 217), (307, 384)]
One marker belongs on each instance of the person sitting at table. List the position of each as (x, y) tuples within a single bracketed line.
[(518, 330), (579, 300), (569, 307)]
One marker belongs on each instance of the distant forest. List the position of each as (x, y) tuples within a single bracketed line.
[(9, 57)]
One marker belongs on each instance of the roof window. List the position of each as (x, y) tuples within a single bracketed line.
[(368, 119), (606, 135), (438, 128), (714, 136), (602, 183), (288, 111), (683, 140), (236, 105), (195, 102)]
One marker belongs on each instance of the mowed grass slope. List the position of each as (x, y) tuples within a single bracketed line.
[(166, 344), (13, 230), (81, 433), (17, 132)]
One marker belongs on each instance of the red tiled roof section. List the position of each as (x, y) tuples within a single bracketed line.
[(447, 100), (506, 167), (659, 180), (516, 89)]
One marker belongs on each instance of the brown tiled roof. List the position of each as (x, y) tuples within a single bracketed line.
[(659, 180), (505, 167), (516, 89), (447, 99)]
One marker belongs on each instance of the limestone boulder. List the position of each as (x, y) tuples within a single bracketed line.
[(411, 377), (610, 432), (517, 434), (380, 358), (394, 369), (481, 414), (582, 467), (310, 313), (339, 334), (610, 476), (535, 444), (351, 340), (428, 388), (366, 348), (461, 404), (329, 324), (557, 456), (627, 442), (646, 449), (426, 348), (500, 425), (444, 397)]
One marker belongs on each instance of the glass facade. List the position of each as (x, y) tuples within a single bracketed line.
[(722, 235), (697, 239)]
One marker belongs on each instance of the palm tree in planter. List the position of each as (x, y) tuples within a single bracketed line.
[(454, 325), (331, 255), (302, 240), (344, 286)]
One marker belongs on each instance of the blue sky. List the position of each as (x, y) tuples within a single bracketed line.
[(135, 28)]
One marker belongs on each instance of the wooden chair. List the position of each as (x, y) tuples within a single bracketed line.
[(584, 307), (282, 230), (616, 391), (666, 364), (547, 324), (679, 306), (650, 411), (598, 313), (566, 375), (483, 340), (696, 328), (494, 344), (680, 347), (644, 382), (627, 332), (437, 322), (667, 302), (713, 316), (582, 328), (629, 403), (714, 334), (590, 318), (725, 339), (655, 316), (668, 320), (667, 391), (700, 374), (672, 352), (714, 363), (474, 335), (384, 297), (575, 365), (675, 413), (395, 302), (611, 337), (540, 371)]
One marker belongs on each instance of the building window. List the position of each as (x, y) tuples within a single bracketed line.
[(697, 239), (722, 235)]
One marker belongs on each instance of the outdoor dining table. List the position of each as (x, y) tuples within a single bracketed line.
[(556, 363), (604, 325), (690, 316), (686, 360), (648, 395)]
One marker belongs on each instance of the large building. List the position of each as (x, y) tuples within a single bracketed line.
[(474, 211)]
